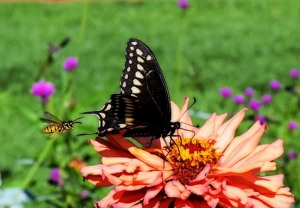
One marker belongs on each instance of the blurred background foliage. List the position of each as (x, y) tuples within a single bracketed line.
[(212, 44)]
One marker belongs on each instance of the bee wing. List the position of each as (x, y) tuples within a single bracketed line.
[(49, 118)]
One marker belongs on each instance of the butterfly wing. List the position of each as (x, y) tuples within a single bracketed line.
[(143, 78), (107, 123), (143, 107), (135, 117)]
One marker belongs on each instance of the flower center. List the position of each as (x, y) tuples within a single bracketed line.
[(189, 156)]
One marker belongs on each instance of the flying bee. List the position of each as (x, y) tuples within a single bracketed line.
[(56, 125)]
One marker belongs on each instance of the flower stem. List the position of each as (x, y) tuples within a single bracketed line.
[(82, 26), (40, 159)]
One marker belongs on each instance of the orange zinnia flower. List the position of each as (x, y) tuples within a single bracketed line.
[(204, 167)]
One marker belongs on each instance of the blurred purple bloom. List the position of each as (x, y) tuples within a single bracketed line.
[(266, 99), (43, 90), (275, 85), (184, 4), (54, 174), (225, 92), (70, 63), (261, 118), (55, 177), (292, 155), (293, 125), (249, 92), (238, 99), (294, 73), (52, 48), (84, 194), (254, 104)]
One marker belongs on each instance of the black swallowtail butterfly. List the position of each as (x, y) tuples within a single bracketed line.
[(143, 107)]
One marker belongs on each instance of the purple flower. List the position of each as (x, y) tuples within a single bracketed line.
[(84, 194), (70, 63), (292, 155), (294, 73), (254, 104), (52, 48), (261, 118), (55, 177), (54, 174), (238, 99), (249, 92), (184, 4), (266, 99), (43, 90), (293, 125), (225, 92), (275, 85)]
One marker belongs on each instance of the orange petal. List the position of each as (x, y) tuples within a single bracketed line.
[(219, 120), (151, 193), (172, 190), (253, 169), (177, 190), (175, 111), (269, 153), (106, 149), (104, 175), (277, 200), (150, 159), (120, 140), (244, 149), (159, 181), (183, 204), (198, 189), (238, 140), (136, 164), (228, 134), (144, 178), (208, 127), (129, 188), (111, 198), (115, 160)]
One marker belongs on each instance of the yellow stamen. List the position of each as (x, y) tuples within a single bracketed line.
[(189, 156)]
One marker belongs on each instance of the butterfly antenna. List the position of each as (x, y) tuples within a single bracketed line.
[(84, 134), (195, 100), (91, 112)]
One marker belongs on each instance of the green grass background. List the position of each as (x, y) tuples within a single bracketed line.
[(214, 43)]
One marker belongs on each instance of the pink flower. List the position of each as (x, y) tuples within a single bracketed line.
[(225, 92), (293, 125), (43, 90), (261, 119), (294, 73), (275, 85), (204, 167), (84, 194), (266, 99), (254, 104), (55, 177), (184, 4), (239, 99), (292, 155), (249, 92), (71, 63)]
